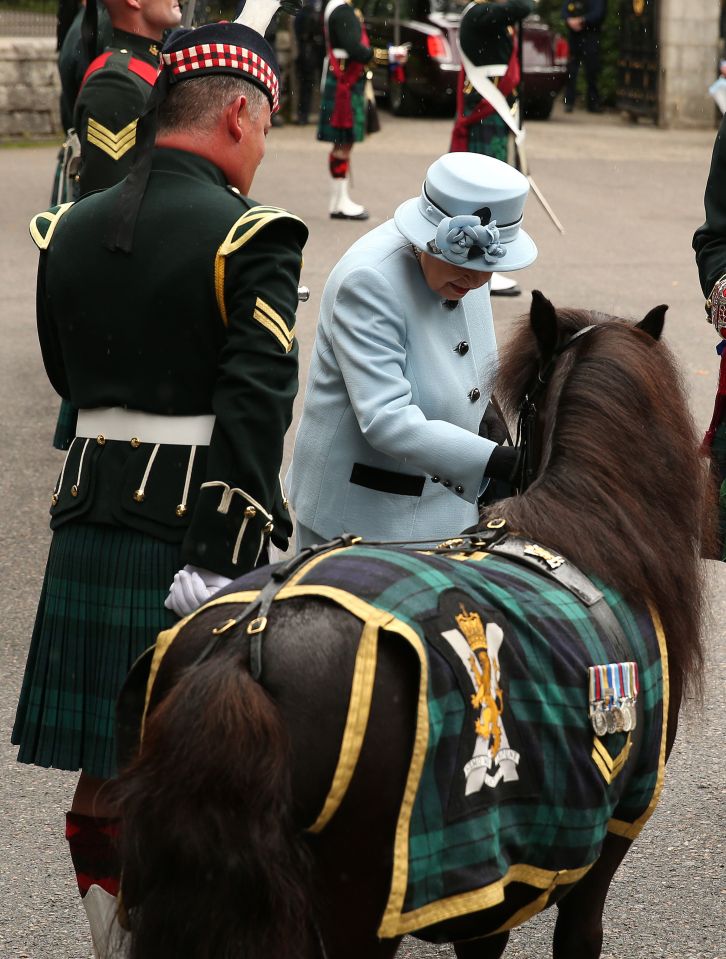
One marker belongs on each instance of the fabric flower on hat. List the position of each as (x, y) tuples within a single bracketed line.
[(457, 235)]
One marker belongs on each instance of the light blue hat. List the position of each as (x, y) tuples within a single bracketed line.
[(470, 213)]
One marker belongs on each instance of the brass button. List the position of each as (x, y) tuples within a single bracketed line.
[(135, 442), (474, 394), (285, 504), (462, 348), (460, 490), (250, 511), (101, 439), (54, 499), (269, 527), (181, 510), (139, 496), (74, 490), (708, 303)]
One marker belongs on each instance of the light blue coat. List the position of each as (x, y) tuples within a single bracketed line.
[(387, 389)]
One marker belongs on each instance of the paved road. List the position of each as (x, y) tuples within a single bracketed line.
[(630, 197)]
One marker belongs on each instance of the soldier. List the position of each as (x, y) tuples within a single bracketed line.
[(73, 59), (709, 242), (584, 19), (342, 110), (184, 390), (116, 88), (106, 103), (490, 67)]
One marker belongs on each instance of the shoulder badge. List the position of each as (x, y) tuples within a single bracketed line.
[(42, 226)]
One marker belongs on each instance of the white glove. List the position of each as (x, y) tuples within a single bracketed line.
[(398, 55), (193, 586)]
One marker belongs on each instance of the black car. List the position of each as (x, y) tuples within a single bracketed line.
[(430, 27)]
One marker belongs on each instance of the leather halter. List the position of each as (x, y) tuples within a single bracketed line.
[(526, 438)]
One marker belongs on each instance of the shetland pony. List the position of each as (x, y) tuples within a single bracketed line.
[(217, 862)]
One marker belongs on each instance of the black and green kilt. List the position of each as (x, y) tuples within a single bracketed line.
[(101, 606), (489, 136), (331, 134)]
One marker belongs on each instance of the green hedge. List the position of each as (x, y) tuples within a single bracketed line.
[(549, 10)]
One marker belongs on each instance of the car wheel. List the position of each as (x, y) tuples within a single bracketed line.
[(401, 102), (538, 109)]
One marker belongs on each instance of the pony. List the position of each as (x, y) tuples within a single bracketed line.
[(243, 831)]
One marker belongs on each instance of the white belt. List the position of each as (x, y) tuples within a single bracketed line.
[(116, 423)]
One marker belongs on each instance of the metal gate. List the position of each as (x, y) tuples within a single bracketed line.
[(638, 62)]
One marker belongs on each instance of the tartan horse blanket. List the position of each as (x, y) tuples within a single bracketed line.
[(508, 781)]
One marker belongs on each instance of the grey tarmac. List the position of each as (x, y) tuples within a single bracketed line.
[(629, 197)]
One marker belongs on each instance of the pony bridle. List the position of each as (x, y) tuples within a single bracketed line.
[(526, 438)]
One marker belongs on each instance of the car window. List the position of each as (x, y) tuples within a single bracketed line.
[(383, 8), (448, 6)]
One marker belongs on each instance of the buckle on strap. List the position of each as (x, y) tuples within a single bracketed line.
[(279, 577)]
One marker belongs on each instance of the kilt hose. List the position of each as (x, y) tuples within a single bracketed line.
[(718, 455), (331, 134), (101, 606)]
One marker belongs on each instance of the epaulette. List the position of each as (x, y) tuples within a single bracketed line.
[(250, 224), (42, 226), (243, 230)]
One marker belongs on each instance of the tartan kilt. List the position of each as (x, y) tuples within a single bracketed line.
[(332, 134), (490, 137), (101, 606)]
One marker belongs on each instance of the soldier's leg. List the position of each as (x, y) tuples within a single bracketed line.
[(92, 831), (591, 63), (341, 205)]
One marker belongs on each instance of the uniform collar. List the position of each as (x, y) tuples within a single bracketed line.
[(184, 163), (143, 47)]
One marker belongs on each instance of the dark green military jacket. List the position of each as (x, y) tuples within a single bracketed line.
[(198, 319), (709, 240), (484, 32), (73, 62), (114, 93)]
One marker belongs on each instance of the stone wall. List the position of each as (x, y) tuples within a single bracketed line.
[(689, 50), (29, 88)]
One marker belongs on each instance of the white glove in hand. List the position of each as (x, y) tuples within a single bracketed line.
[(193, 586), (398, 54)]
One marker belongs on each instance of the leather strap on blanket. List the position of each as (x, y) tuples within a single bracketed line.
[(279, 576), (495, 539)]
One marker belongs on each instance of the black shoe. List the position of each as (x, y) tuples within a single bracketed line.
[(509, 291), (569, 107), (363, 215), (596, 108)]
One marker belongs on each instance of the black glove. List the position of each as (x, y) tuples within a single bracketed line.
[(503, 463), (492, 426)]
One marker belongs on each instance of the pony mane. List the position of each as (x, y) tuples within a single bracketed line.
[(625, 493)]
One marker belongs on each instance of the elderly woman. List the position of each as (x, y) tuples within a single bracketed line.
[(388, 446)]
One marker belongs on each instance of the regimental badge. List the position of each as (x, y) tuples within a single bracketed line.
[(613, 694), (477, 646)]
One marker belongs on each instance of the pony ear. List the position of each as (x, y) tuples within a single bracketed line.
[(543, 320), (652, 322)]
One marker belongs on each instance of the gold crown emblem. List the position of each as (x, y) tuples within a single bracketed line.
[(472, 627)]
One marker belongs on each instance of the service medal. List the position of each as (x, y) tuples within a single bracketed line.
[(611, 722), (625, 708), (599, 723)]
